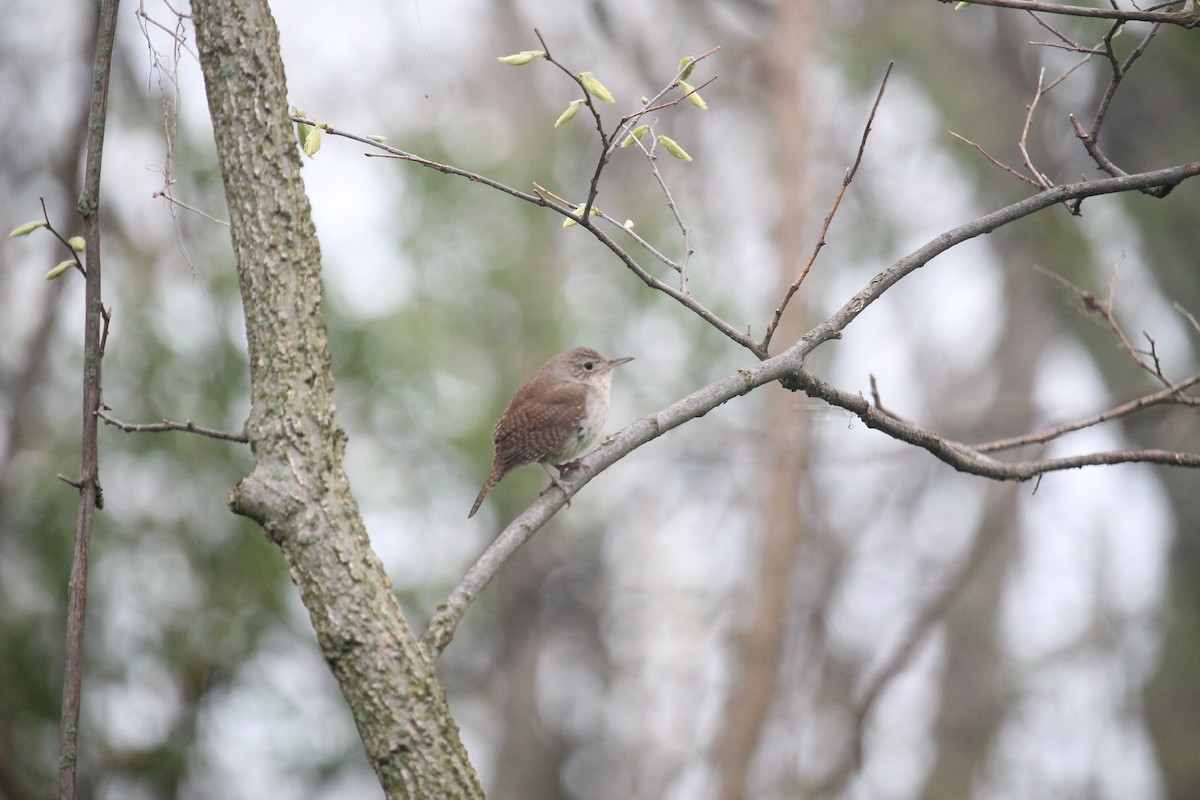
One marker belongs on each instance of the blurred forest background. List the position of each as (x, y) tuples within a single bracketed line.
[(731, 608)]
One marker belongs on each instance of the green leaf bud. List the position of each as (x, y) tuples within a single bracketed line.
[(673, 148), (312, 142), (595, 88), (303, 129), (686, 66), (27, 228), (521, 58), (635, 136), (60, 268), (569, 114), (697, 101), (577, 215)]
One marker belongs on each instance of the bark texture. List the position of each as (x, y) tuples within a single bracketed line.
[(298, 490)]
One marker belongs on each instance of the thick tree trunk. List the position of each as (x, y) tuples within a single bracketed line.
[(298, 490)]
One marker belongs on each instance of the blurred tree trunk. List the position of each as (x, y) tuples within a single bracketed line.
[(785, 525), (298, 490)]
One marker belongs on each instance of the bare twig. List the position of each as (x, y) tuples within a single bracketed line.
[(1105, 309), (165, 194), (166, 74), (1091, 138), (168, 425), (995, 161), (1038, 177), (1190, 317), (847, 178), (1170, 396)]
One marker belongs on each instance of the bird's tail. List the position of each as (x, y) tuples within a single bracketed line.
[(487, 487)]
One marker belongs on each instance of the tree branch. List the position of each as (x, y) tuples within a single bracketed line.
[(1171, 396), (168, 425), (1179, 18), (90, 497), (972, 460), (787, 368)]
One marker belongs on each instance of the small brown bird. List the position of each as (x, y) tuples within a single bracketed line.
[(555, 418)]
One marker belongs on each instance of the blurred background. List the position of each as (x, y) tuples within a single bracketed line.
[(770, 602)]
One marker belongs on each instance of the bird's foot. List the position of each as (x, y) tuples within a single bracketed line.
[(563, 469)]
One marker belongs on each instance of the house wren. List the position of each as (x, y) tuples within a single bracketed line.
[(555, 418)]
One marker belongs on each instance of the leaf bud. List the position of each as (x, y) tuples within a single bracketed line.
[(521, 58), (693, 95), (635, 136), (27, 228), (673, 148), (569, 114), (595, 88), (60, 268), (312, 142), (685, 67)]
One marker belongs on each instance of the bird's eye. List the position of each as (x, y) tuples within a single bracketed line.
[(588, 365)]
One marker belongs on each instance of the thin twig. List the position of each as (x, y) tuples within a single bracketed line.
[(996, 162), (1170, 396), (684, 231), (626, 229), (656, 103), (1039, 178), (1105, 309), (165, 194), (168, 425), (1091, 138), (608, 143), (1190, 317), (837, 201)]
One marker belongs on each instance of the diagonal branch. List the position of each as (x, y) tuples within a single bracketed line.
[(837, 201), (585, 221), (1171, 396)]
